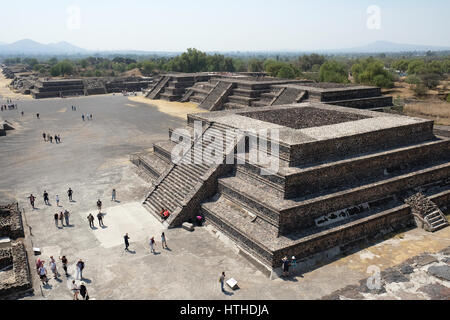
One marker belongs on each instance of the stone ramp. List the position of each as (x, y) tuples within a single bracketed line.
[(216, 98), (288, 96), (427, 212)]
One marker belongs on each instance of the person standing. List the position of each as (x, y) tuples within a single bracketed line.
[(57, 200), (53, 267), (70, 194), (222, 281), (44, 136), (83, 291), (61, 218), (80, 267), (82, 117), (100, 219), (152, 244), (285, 262), (56, 217), (43, 274), (90, 218), (99, 205), (46, 198), (64, 263), (32, 199), (163, 241), (37, 115), (75, 290), (126, 238), (51, 139), (66, 217), (113, 195)]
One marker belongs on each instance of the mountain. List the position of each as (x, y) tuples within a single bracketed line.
[(27, 46), (391, 47)]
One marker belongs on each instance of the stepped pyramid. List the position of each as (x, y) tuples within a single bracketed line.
[(341, 177)]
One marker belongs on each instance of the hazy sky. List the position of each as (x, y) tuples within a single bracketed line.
[(226, 25)]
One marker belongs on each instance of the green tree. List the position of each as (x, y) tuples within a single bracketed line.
[(287, 72), (333, 71), (372, 72)]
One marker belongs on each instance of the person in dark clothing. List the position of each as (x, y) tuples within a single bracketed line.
[(46, 198), (64, 263), (70, 193), (91, 220), (44, 136), (56, 217), (99, 205), (100, 219), (32, 199), (83, 290), (127, 243)]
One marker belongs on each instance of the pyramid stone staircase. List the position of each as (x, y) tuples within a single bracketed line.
[(155, 92), (427, 213)]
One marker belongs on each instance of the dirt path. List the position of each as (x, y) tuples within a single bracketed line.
[(176, 109), (5, 92)]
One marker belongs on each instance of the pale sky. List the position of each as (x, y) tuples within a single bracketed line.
[(230, 25)]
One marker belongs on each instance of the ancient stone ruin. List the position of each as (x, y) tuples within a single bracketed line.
[(342, 177), (15, 276), (215, 92)]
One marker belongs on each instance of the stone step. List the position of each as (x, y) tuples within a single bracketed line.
[(241, 100), (233, 106), (163, 149), (153, 164)]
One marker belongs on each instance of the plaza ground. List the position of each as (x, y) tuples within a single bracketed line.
[(92, 159)]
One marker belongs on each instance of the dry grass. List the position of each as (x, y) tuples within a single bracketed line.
[(437, 111)]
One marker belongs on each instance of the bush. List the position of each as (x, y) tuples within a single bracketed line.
[(333, 71), (287, 72), (372, 72)]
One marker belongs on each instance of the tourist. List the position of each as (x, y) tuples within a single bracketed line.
[(43, 274), (285, 262), (166, 215), (126, 238), (46, 198), (32, 199), (59, 138), (70, 193), (37, 115), (293, 263), (51, 139), (222, 281), (61, 218), (64, 263), (22, 113), (56, 138), (44, 136), (152, 244), (161, 213), (57, 200), (91, 219), (113, 195), (100, 219), (75, 290), (80, 267), (39, 263), (163, 241), (82, 117), (66, 217), (56, 217), (52, 264), (83, 291), (99, 205)]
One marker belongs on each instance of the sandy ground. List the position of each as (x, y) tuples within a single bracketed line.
[(5, 92), (175, 109)]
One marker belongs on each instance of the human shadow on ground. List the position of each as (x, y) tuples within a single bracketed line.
[(104, 227), (227, 293), (131, 251), (85, 280), (168, 249)]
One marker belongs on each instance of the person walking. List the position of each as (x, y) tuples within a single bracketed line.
[(91, 219), (100, 219), (57, 200), (37, 115), (53, 267), (43, 274), (82, 117), (61, 218), (75, 290), (32, 199), (113, 195), (44, 136), (80, 267), (222, 281), (152, 244), (293, 264), (56, 217), (163, 241), (46, 198), (285, 262), (66, 217), (99, 205), (126, 238), (56, 139), (70, 194), (64, 263), (51, 139), (83, 291)]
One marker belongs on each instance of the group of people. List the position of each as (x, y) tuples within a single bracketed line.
[(61, 217), (87, 117), (5, 107), (152, 242), (74, 108), (42, 272), (49, 137), (287, 264)]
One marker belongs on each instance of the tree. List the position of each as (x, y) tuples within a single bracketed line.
[(372, 72), (333, 71), (287, 72), (255, 65)]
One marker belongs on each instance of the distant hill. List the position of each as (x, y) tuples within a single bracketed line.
[(391, 47), (28, 46)]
